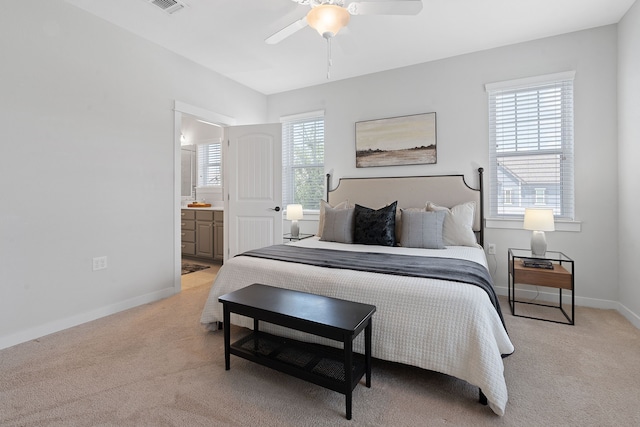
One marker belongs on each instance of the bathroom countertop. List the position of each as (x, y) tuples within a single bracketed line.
[(212, 208)]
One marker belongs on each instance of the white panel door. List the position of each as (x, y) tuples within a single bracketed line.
[(253, 178)]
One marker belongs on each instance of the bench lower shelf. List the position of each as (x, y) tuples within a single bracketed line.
[(318, 364)]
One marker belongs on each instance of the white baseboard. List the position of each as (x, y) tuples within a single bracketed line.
[(552, 297), (629, 315), (62, 324), (69, 322)]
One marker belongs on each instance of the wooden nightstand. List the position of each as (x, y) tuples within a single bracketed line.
[(561, 277)]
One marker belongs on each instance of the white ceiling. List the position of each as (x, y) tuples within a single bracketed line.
[(227, 36)]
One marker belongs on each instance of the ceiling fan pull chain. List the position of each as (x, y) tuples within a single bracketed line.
[(329, 60)]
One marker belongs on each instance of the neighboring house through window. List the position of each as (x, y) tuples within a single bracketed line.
[(531, 146), (303, 160)]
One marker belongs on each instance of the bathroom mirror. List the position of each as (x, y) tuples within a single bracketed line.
[(194, 132), (188, 170)]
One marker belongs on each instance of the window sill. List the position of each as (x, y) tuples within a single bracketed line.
[(516, 224), (209, 189), (307, 216)]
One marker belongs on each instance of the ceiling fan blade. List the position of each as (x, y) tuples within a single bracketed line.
[(346, 42), (287, 31), (400, 7)]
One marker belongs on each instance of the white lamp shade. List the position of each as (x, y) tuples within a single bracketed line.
[(328, 19), (294, 212), (538, 219)]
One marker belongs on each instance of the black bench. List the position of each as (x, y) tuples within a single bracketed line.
[(332, 318)]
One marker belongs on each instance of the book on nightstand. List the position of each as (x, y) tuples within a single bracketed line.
[(538, 263)]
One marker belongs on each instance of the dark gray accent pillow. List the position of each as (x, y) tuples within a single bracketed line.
[(375, 227), (338, 225), (422, 229)]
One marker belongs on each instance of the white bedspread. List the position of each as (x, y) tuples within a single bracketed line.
[(443, 326)]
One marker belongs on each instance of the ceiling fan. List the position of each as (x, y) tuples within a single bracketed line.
[(329, 16)]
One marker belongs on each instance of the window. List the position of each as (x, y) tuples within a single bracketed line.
[(210, 165), (303, 160), (531, 146), (508, 196)]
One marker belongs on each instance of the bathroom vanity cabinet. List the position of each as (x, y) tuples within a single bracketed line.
[(202, 233)]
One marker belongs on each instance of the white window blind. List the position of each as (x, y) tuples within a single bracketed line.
[(531, 146), (303, 160), (210, 165)]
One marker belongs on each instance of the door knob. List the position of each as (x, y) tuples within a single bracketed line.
[(277, 209)]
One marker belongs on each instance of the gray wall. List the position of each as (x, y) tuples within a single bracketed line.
[(454, 89), (629, 153), (87, 164)]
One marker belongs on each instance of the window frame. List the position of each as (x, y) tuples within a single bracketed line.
[(532, 147), (289, 165), (200, 164)]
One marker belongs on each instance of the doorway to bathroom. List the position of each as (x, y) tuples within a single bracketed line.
[(198, 167)]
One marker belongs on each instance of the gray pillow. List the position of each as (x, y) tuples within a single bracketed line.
[(338, 225), (422, 229)]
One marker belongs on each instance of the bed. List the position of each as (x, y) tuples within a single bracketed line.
[(441, 323)]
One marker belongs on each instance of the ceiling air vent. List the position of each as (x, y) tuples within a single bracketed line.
[(169, 6)]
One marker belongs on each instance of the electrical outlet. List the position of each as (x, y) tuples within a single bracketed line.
[(99, 263), (491, 248)]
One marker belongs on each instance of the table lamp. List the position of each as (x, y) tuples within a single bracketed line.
[(294, 213), (538, 220)]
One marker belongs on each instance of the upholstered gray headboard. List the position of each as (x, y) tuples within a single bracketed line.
[(411, 192)]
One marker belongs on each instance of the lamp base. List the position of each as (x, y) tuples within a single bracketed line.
[(295, 230), (538, 244)]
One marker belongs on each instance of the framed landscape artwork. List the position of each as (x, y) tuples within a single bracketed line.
[(406, 140)]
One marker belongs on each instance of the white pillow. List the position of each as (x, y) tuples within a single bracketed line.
[(457, 229), (341, 205)]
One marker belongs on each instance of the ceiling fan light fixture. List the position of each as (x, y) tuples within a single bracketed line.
[(328, 19)]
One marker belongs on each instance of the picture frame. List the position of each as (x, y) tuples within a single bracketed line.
[(397, 141)]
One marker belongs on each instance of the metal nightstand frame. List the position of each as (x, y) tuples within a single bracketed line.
[(545, 278)]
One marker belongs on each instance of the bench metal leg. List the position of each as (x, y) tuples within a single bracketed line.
[(348, 373), (482, 398), (227, 337), (367, 353)]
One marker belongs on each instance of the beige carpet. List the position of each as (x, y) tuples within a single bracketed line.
[(156, 366), (199, 278)]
